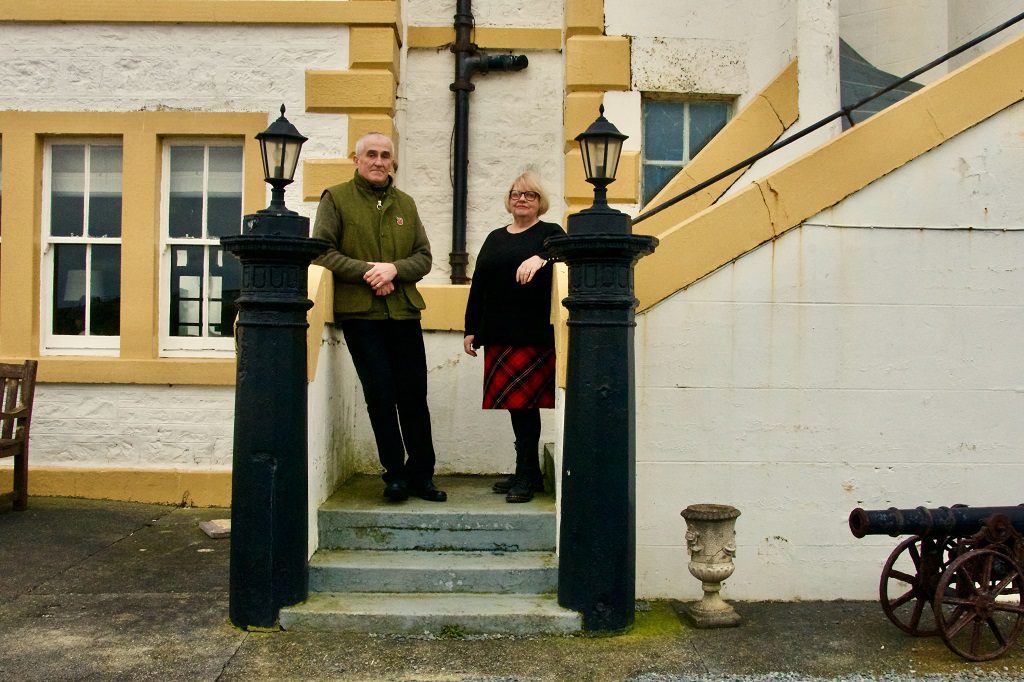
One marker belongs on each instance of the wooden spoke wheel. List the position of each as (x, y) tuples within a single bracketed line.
[(909, 579), (978, 607)]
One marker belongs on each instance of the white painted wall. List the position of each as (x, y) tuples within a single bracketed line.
[(467, 438), (133, 426), (870, 358), (898, 36), (515, 123), (499, 13), (729, 47), (128, 67)]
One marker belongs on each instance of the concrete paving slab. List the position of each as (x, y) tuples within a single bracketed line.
[(77, 528), (120, 631), (116, 636)]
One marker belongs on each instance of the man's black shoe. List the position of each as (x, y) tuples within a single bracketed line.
[(396, 491), (427, 491)]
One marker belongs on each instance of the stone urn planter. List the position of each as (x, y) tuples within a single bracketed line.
[(711, 541)]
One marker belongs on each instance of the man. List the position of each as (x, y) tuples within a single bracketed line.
[(379, 250)]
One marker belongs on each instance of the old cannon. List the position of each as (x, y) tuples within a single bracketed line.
[(959, 575)]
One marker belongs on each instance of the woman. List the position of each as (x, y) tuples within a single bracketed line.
[(509, 314)]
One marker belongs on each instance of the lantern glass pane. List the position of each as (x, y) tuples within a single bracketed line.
[(273, 157), (291, 158), (601, 157)]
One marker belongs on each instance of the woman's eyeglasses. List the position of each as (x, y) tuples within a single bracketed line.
[(515, 195)]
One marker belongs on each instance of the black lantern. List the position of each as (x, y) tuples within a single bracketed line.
[(279, 147), (601, 145)]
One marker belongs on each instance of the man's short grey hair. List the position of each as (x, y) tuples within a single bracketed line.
[(361, 142)]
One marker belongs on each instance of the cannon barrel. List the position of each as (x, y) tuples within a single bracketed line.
[(955, 521)]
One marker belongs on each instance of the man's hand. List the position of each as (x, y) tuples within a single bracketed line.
[(467, 344), (384, 289), (380, 275)]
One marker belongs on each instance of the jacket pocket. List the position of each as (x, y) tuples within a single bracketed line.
[(412, 294), (351, 298)]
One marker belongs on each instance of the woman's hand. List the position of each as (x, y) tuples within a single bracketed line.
[(528, 268), (467, 344)]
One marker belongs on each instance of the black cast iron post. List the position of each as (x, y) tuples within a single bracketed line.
[(269, 515), (597, 537)]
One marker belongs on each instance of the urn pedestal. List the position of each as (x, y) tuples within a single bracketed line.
[(711, 541)]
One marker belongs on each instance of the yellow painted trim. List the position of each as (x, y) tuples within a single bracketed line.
[(320, 284), (597, 63), (140, 235), (584, 17), (625, 189), (487, 37), (19, 257), (757, 126), (102, 370), (361, 124), (373, 47), (446, 306), (205, 11), (581, 109), (560, 320), (153, 486), (786, 197), (319, 174), (358, 90)]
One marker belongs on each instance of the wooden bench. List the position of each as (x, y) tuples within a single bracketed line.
[(17, 388)]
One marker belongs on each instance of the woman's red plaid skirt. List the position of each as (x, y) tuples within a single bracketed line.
[(516, 377)]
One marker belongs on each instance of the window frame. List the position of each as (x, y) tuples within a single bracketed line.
[(687, 154), (204, 345), (67, 344)]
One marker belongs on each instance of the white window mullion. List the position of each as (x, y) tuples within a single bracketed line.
[(686, 133), (204, 285), (88, 284)]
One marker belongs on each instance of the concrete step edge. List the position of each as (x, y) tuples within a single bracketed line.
[(442, 572), (430, 613), (433, 560)]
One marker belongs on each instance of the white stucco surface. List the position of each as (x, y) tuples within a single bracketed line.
[(846, 364), (971, 181), (113, 67), (898, 36), (515, 123), (500, 13), (733, 47), (467, 438), (133, 426)]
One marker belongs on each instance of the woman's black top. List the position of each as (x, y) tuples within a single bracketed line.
[(501, 310)]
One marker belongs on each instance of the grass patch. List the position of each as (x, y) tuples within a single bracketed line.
[(452, 631)]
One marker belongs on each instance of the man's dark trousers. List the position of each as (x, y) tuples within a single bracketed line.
[(392, 366)]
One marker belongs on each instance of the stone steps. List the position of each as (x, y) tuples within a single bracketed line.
[(475, 564), (430, 613), (422, 571)]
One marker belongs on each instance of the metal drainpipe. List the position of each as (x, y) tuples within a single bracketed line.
[(468, 60)]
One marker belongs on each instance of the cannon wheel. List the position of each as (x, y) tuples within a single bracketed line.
[(909, 577), (978, 606)]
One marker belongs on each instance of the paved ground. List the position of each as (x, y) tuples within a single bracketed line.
[(93, 590)]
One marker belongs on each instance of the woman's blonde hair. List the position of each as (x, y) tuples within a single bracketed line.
[(529, 182)]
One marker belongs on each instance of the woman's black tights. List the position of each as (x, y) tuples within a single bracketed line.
[(526, 427)]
